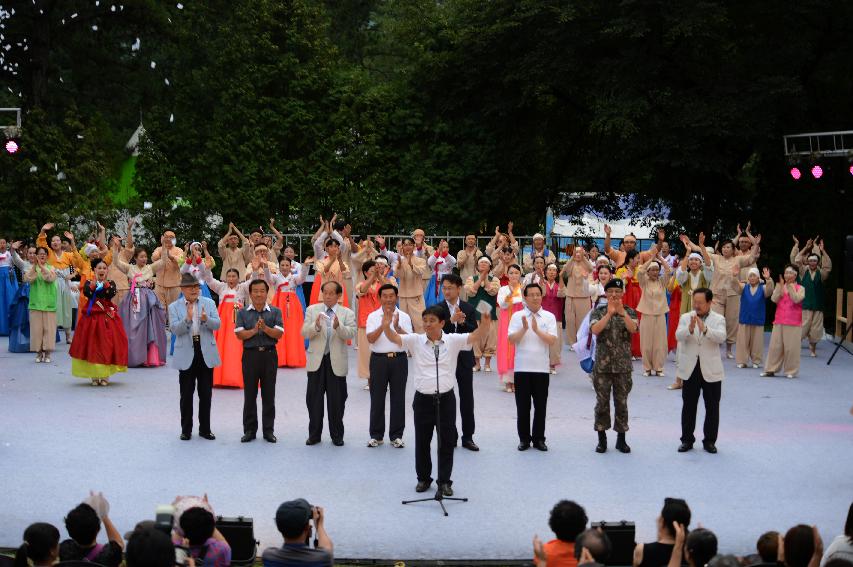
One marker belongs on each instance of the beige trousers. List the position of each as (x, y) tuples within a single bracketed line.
[(729, 307), (812, 325), (42, 331), (487, 344), (167, 296), (784, 351), (556, 347), (414, 308), (576, 310), (363, 354), (653, 341), (750, 344)]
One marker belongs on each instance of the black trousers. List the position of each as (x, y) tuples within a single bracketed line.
[(425, 421), (711, 393), (259, 367), (465, 382), (197, 372), (324, 383), (531, 386), (384, 373)]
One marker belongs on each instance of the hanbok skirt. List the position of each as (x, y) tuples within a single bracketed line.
[(229, 374), (144, 322), (434, 293), (99, 348), (65, 301), (291, 345), (8, 288), (19, 320), (506, 350)]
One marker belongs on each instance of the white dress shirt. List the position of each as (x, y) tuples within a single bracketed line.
[(532, 353), (424, 364), (196, 316), (383, 344)]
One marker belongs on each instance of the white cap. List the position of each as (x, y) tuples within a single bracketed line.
[(753, 270)]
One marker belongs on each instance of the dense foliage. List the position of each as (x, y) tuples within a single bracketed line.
[(452, 115)]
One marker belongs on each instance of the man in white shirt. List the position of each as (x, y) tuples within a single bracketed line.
[(434, 358), (388, 368), (532, 330)]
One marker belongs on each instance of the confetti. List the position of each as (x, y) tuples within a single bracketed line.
[(69, 188), (136, 45), (33, 169), (180, 6), (153, 65), (74, 15), (79, 137), (94, 28), (147, 205), (171, 118), (167, 82), (55, 166), (113, 8), (60, 176)]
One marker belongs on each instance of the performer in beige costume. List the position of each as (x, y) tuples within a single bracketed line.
[(466, 262), (574, 281), (538, 250), (233, 255), (814, 266), (410, 271), (169, 274), (726, 301), (483, 286), (651, 277)]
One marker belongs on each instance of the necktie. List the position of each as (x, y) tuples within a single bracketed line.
[(330, 314)]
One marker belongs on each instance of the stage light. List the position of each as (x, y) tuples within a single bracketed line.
[(817, 172), (851, 170), (12, 146), (796, 173)]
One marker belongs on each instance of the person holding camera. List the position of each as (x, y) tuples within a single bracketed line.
[(202, 541), (293, 519)]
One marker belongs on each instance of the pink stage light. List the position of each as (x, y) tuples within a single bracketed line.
[(11, 146), (851, 170), (796, 173), (817, 172)]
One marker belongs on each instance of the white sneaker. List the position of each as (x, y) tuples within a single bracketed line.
[(789, 376), (660, 372), (366, 386), (756, 366), (744, 366), (553, 371), (729, 355), (398, 443), (646, 373), (38, 357), (767, 374), (375, 442), (46, 358)]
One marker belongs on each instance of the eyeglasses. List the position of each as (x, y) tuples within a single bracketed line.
[(506, 250)]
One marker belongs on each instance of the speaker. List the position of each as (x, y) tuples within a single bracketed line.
[(239, 532), (848, 261), (623, 536)]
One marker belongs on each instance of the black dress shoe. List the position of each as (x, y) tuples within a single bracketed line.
[(209, 436), (523, 446), (310, 441), (470, 445), (684, 447), (445, 490), (186, 436), (540, 445), (247, 437), (423, 485), (710, 447), (270, 438), (338, 442)]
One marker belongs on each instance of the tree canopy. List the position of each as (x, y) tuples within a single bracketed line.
[(454, 115)]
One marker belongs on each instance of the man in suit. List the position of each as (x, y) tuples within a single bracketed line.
[(192, 320), (328, 326), (700, 333), (463, 319)]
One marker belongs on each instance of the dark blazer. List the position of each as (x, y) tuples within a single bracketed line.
[(467, 326)]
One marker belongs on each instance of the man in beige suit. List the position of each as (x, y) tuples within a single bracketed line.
[(466, 261), (328, 326), (700, 333), (410, 271)]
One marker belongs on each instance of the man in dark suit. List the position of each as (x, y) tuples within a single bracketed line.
[(462, 320)]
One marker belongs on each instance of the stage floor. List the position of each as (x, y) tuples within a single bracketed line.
[(785, 457)]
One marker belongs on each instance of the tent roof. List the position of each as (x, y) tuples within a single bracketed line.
[(591, 225), (132, 144)]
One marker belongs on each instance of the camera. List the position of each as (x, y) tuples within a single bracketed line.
[(164, 520)]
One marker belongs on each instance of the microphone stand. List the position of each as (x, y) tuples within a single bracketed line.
[(438, 496)]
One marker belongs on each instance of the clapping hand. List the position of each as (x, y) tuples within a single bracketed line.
[(458, 317), (16, 245), (70, 236), (524, 324), (335, 322), (320, 321), (98, 503), (190, 308), (701, 239), (203, 316), (693, 318), (262, 325), (701, 324), (534, 324)]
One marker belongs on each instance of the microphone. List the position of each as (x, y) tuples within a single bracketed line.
[(435, 349)]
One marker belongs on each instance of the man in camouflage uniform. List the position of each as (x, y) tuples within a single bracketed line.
[(613, 324)]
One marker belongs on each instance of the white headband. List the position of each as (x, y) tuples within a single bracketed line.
[(695, 255), (815, 256), (754, 271), (484, 259)]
